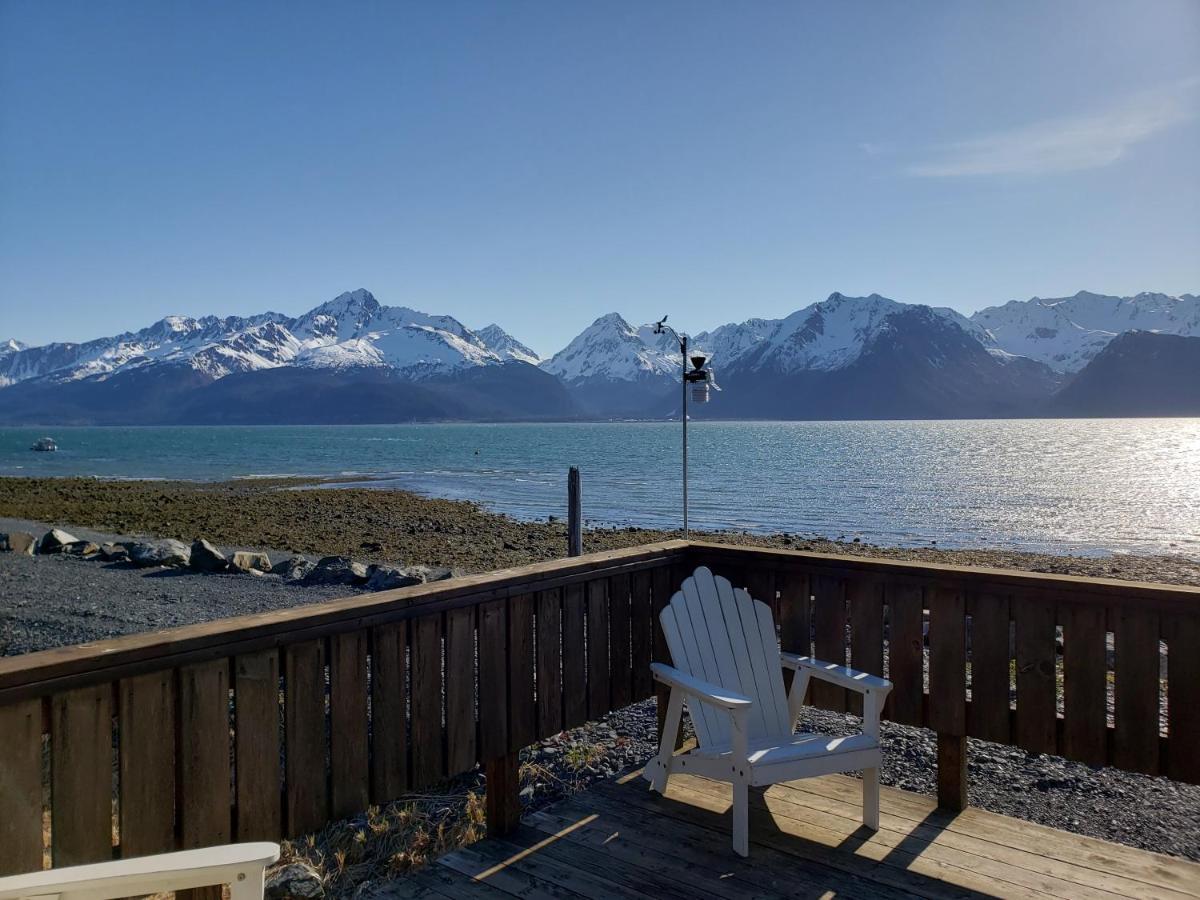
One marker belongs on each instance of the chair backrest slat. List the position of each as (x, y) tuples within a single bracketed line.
[(685, 653), (727, 638)]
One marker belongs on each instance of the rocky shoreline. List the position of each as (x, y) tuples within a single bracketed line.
[(318, 518)]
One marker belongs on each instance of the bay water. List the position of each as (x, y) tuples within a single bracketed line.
[(1066, 486)]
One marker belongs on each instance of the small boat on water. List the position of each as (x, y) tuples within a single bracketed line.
[(45, 445)]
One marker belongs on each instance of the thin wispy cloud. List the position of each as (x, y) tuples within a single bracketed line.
[(1069, 143)]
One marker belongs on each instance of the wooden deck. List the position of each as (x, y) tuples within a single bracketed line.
[(619, 840)]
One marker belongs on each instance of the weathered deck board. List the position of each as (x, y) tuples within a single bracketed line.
[(618, 839)]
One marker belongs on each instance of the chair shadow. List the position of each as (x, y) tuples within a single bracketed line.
[(841, 863)]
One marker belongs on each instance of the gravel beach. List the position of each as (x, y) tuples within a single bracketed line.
[(48, 601)]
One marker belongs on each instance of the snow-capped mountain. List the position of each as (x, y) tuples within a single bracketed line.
[(505, 345), (612, 350), (1065, 333), (353, 330)]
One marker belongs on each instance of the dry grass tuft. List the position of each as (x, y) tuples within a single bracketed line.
[(390, 840)]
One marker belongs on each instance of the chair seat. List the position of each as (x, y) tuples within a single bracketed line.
[(772, 751)]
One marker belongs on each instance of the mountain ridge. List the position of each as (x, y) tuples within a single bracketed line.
[(838, 357)]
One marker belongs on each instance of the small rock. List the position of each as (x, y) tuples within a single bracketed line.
[(159, 553), (386, 578), (336, 570), (18, 542), (207, 558), (114, 552), (295, 880), (249, 561), (54, 540), (293, 569), (81, 548), (434, 573)]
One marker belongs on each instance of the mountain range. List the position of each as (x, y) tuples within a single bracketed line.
[(354, 359)]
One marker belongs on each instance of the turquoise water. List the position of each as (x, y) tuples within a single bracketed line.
[(1081, 486)]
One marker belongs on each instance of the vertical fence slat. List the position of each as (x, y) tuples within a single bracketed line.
[(460, 691), (493, 680), (1036, 698), (866, 631), (906, 656), (428, 745), (641, 635), (256, 746), (621, 677), (597, 649), (348, 756), (1085, 688), (795, 617), (522, 715), (389, 692), (991, 653), (147, 750), (21, 787), (829, 611), (549, 663), (204, 773), (1136, 669), (947, 662), (574, 662), (81, 776), (1183, 696), (304, 705)]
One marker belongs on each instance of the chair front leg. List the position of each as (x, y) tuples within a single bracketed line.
[(741, 777), (660, 768)]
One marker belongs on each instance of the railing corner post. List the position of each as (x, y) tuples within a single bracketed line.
[(503, 797), (952, 772)]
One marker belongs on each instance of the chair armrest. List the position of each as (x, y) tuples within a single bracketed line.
[(701, 690), (832, 672), (143, 875)]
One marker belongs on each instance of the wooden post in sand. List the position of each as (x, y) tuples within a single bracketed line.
[(574, 513)]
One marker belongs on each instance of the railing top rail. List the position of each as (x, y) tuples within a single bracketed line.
[(1077, 588), (59, 668)]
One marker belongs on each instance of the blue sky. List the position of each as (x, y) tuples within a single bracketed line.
[(539, 164)]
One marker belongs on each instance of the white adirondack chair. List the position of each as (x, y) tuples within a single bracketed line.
[(729, 671), (241, 866)]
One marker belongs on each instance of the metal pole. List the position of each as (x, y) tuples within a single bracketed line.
[(683, 350), (574, 513)]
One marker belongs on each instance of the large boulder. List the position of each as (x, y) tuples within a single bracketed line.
[(295, 881), (207, 558), (171, 553), (54, 540), (293, 569), (337, 570), (386, 578), (18, 542), (249, 561)]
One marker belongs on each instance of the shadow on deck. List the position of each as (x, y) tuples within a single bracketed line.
[(620, 840)]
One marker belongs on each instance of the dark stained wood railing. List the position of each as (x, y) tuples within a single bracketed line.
[(270, 725), (976, 652)]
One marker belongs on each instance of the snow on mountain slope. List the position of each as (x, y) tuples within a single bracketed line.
[(1066, 332), (352, 330), (610, 349), (505, 345), (823, 336)]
